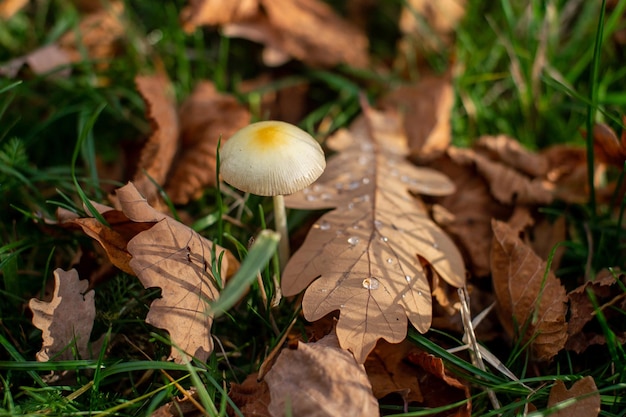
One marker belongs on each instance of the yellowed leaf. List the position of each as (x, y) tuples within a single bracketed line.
[(319, 380), (584, 391), (176, 259), (526, 300), (66, 320), (364, 253)]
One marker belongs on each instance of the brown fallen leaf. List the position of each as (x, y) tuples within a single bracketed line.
[(608, 293), (607, 146), (426, 27), (466, 214), (319, 380), (426, 107), (506, 184), (178, 260), (509, 151), (99, 33), (438, 387), (584, 391), (308, 30), (389, 373), (364, 253), (66, 321), (252, 397), (205, 117), (527, 302), (159, 151)]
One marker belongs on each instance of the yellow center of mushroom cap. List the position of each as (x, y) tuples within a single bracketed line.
[(269, 138)]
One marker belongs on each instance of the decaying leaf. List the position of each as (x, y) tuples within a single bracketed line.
[(178, 260), (527, 302), (513, 154), (308, 30), (319, 380), (159, 152), (608, 293), (66, 320), (584, 391), (607, 146), (364, 253), (205, 117)]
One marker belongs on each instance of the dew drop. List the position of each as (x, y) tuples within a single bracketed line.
[(389, 260), (315, 187), (378, 223), (355, 227), (404, 178), (353, 240), (419, 293), (384, 239), (324, 226), (310, 197), (353, 185), (371, 283), (365, 180), (350, 206), (394, 173), (436, 245), (342, 306), (408, 278), (326, 196), (363, 160)]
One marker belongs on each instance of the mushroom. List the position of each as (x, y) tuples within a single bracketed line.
[(272, 158)]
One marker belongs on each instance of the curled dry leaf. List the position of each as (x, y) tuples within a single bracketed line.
[(67, 319), (205, 117), (513, 154), (159, 151), (607, 146), (319, 380), (587, 398), (525, 299), (364, 253), (308, 30), (178, 260)]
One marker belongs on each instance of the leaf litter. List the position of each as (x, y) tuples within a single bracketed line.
[(362, 257)]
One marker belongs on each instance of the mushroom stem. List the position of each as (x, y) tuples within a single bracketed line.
[(280, 219)]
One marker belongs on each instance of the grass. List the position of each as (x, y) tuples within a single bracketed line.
[(538, 71)]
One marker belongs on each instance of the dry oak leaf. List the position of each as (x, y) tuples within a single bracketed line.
[(509, 151), (587, 398), (319, 380), (176, 259), (524, 297), (252, 397), (159, 151), (308, 30), (205, 116), (67, 319), (364, 253)]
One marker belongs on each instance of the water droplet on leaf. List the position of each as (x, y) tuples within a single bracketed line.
[(353, 240), (371, 283)]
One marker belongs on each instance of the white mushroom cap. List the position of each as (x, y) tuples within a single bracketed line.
[(271, 158)]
